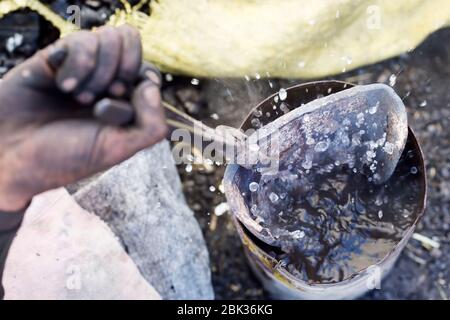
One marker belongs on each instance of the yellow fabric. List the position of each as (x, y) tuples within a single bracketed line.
[(279, 38)]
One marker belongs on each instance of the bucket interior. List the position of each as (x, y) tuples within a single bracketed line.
[(296, 97)]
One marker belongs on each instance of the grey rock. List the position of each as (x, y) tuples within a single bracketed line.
[(142, 202)]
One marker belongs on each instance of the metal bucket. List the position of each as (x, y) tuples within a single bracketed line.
[(276, 279)]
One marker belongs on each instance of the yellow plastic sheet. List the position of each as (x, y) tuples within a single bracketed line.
[(279, 38)]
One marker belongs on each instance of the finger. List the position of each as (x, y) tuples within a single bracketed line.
[(56, 54), (149, 114), (130, 62), (80, 61), (108, 58), (115, 144), (149, 72), (38, 72)]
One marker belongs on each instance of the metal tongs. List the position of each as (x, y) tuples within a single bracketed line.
[(120, 113)]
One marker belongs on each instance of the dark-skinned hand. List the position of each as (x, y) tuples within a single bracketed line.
[(48, 134)]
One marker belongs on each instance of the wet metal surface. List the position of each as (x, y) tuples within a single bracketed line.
[(342, 223)]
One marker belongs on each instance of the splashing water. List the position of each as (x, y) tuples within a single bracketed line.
[(253, 186), (344, 193), (333, 222)]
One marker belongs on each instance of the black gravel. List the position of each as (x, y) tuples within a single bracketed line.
[(21, 34), (421, 77)]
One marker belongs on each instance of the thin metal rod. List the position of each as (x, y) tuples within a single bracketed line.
[(180, 120)]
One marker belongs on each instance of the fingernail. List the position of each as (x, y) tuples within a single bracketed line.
[(114, 112), (118, 89), (149, 72), (153, 77), (56, 56), (86, 97), (69, 84)]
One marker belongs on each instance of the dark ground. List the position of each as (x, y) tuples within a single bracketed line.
[(420, 77)]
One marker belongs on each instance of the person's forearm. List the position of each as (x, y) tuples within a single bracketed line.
[(9, 224)]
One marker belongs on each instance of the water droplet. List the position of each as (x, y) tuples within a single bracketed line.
[(373, 110), (195, 82), (414, 170), (282, 94), (392, 80), (310, 141), (284, 108), (169, 77), (273, 197), (380, 214), (253, 186), (298, 234), (212, 188), (259, 219), (255, 123), (370, 155), (321, 146), (388, 148), (221, 209), (188, 168), (307, 164), (257, 113), (359, 119)]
